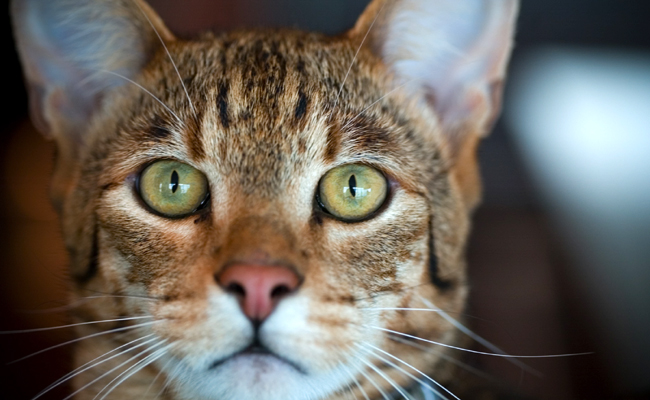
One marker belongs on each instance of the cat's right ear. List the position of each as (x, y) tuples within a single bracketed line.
[(73, 53), (452, 55)]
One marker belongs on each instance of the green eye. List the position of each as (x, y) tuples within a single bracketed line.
[(173, 189), (352, 192)]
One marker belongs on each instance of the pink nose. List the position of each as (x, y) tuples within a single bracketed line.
[(258, 287)]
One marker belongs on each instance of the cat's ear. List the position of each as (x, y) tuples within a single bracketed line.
[(453, 54), (73, 53)]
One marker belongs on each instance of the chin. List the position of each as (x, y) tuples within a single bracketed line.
[(256, 377)]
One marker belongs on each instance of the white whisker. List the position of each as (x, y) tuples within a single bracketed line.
[(420, 381), (146, 91), (478, 338), (356, 382), (378, 100), (350, 392), (121, 296), (94, 363), (55, 309), (336, 100), (372, 382), (84, 338), (168, 381), (476, 351), (112, 370), (137, 367), (170, 58), (394, 384), (79, 302), (444, 356), (72, 325), (399, 309), (156, 378)]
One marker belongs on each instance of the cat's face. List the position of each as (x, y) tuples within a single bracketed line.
[(265, 203)]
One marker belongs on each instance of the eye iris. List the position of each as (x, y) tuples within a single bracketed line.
[(352, 192), (173, 189)]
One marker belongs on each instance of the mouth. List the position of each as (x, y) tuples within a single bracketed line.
[(254, 352)]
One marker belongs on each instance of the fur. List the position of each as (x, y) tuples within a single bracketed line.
[(264, 115)]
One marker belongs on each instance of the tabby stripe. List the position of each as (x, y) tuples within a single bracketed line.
[(301, 107), (194, 135), (333, 144), (158, 130), (222, 104), (433, 262), (93, 262)]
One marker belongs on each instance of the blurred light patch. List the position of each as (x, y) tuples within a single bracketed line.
[(581, 119)]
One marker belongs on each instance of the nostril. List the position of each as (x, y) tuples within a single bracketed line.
[(236, 288), (280, 291)]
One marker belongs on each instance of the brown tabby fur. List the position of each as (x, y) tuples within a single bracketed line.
[(264, 124)]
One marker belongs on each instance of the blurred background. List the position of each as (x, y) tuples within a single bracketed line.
[(560, 252)]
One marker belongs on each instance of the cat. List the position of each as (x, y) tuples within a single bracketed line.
[(265, 214)]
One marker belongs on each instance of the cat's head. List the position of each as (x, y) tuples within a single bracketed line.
[(268, 201)]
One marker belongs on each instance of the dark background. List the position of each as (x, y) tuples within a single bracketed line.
[(522, 297)]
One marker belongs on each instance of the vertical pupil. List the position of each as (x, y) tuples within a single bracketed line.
[(174, 184), (353, 185)]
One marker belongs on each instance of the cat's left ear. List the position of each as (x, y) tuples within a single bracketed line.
[(453, 54)]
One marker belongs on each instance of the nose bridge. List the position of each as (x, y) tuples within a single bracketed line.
[(261, 238)]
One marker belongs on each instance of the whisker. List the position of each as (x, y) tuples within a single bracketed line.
[(121, 296), (396, 88), (478, 338), (394, 384), (84, 338), (94, 363), (137, 367), (420, 381), (444, 356), (399, 309), (72, 325), (156, 378), (167, 381), (428, 395), (350, 392), (437, 310), (170, 58), (476, 351), (81, 301), (336, 100), (363, 392), (369, 379), (146, 91), (66, 307), (112, 370), (356, 382)]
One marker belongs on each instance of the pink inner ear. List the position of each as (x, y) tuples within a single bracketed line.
[(66, 46), (457, 49)]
